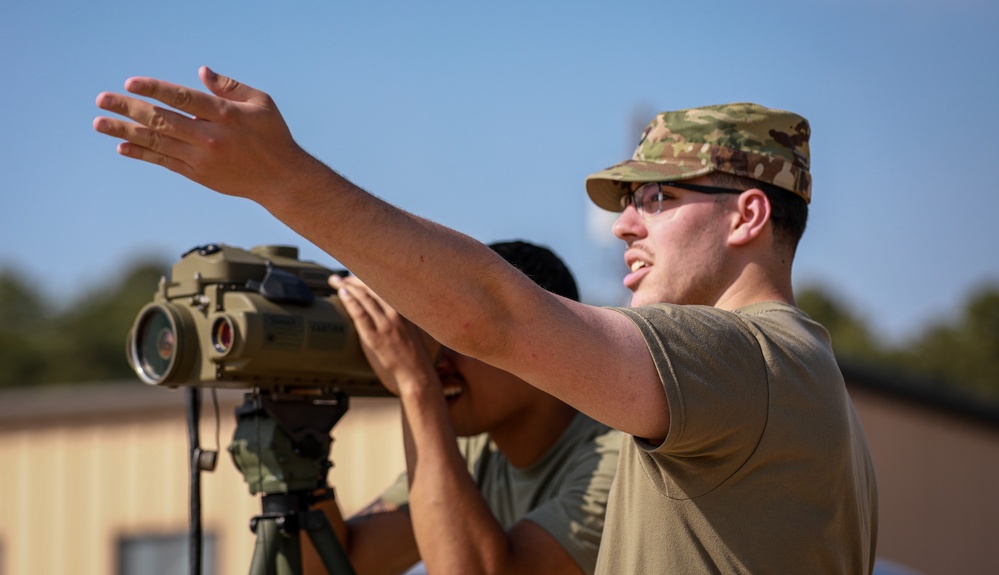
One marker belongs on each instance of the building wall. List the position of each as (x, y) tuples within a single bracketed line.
[(938, 483), (85, 466)]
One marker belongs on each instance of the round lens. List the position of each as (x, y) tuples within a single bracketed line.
[(156, 344), (222, 335), (165, 344)]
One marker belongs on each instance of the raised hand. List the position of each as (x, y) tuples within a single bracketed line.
[(233, 140), (393, 345)]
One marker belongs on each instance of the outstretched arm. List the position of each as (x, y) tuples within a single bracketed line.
[(235, 141), (455, 530)]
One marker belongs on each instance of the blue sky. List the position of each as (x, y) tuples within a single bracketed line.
[(488, 117)]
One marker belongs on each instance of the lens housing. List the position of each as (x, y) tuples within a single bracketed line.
[(223, 334), (158, 345)]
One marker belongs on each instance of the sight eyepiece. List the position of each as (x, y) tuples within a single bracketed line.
[(222, 335)]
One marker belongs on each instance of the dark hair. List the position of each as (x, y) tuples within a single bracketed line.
[(789, 211), (540, 264)]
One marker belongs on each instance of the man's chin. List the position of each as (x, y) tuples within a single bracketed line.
[(466, 430), (639, 299)]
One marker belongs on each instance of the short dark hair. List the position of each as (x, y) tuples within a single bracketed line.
[(789, 211), (540, 264)]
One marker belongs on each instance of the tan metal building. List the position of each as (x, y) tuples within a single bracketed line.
[(937, 460), (94, 479)]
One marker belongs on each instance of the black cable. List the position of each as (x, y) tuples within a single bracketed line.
[(194, 537)]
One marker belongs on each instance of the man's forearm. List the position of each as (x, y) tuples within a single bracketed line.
[(414, 264), (378, 540), (454, 527)]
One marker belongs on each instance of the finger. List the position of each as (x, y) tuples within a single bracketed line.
[(371, 303), (363, 322), (229, 89), (361, 291), (142, 141), (155, 128), (354, 281), (144, 153), (193, 102), (383, 316), (384, 306)]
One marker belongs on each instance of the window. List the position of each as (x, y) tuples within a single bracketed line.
[(163, 555)]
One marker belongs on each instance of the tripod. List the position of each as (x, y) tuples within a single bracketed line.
[(281, 446)]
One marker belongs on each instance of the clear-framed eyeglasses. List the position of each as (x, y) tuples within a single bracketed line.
[(649, 198)]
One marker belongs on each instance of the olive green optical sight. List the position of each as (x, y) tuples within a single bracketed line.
[(257, 319)]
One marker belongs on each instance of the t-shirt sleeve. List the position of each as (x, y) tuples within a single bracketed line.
[(397, 494), (575, 518), (470, 447), (715, 378)]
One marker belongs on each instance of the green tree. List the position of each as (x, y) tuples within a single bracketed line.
[(86, 342), (24, 318), (960, 353), (21, 307), (93, 331), (965, 350)]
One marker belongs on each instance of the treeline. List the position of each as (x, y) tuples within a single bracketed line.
[(960, 352), (41, 343), (79, 341)]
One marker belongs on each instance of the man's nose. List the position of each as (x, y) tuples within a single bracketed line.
[(629, 224)]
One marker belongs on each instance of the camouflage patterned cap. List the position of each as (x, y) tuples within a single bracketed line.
[(748, 140)]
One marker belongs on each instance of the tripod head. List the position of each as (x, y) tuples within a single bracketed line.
[(282, 440)]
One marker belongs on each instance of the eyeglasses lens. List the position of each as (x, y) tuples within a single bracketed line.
[(648, 199)]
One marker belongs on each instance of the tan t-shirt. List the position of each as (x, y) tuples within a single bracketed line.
[(765, 468)]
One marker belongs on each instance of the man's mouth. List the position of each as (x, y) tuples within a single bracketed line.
[(452, 384), (637, 268)]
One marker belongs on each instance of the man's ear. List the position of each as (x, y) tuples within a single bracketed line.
[(754, 211)]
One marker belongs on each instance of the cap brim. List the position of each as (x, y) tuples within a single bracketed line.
[(604, 187)]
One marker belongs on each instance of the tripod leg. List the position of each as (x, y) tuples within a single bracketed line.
[(327, 545), (276, 552), (265, 549)]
